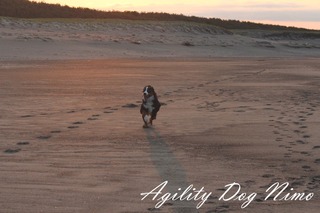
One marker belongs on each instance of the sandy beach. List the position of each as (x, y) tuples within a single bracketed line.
[(234, 110)]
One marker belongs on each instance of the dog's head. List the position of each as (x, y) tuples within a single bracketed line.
[(148, 90)]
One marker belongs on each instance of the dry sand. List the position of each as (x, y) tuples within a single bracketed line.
[(71, 136)]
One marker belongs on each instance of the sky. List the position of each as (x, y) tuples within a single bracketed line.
[(298, 13)]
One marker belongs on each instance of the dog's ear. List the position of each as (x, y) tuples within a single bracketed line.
[(151, 89)]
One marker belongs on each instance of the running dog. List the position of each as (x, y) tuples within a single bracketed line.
[(150, 105)]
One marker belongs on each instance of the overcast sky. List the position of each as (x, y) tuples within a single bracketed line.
[(299, 13)]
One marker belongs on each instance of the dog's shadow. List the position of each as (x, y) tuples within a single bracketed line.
[(163, 159), (168, 166)]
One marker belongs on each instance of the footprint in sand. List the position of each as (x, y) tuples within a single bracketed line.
[(287, 155), (269, 109), (222, 208), (77, 123), (259, 200), (85, 109), (130, 106), (93, 117), (71, 111), (316, 179), (312, 186), (297, 183), (73, 127), (108, 112), (289, 136), (23, 143), (12, 151), (27, 116), (312, 110), (305, 153), (212, 198), (307, 168), (300, 142), (44, 137), (152, 209), (276, 132), (267, 176), (55, 131), (297, 131), (297, 161), (317, 161)]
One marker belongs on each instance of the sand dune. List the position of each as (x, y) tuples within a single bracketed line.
[(72, 39)]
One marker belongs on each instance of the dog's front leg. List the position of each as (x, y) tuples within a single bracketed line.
[(144, 120)]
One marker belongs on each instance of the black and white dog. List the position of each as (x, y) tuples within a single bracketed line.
[(150, 105)]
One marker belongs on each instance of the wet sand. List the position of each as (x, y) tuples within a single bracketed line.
[(72, 137)]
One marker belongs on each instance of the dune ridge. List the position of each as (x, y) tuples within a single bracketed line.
[(42, 39)]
